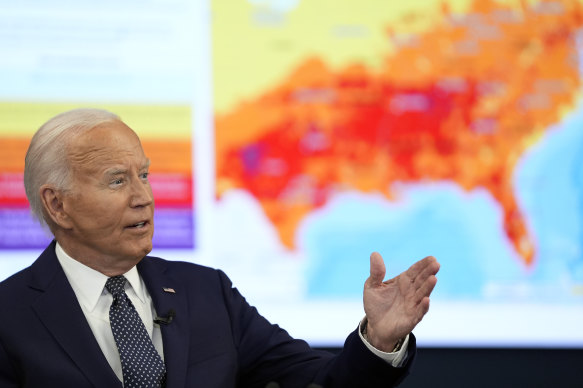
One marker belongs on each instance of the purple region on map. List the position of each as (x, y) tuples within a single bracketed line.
[(19, 230), (174, 228)]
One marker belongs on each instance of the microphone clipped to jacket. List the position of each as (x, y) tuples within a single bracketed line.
[(167, 319)]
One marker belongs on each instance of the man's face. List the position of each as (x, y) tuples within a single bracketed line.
[(110, 206)]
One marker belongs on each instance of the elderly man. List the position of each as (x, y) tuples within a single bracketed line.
[(95, 311)]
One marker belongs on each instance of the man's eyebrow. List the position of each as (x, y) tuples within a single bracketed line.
[(121, 170), (116, 171)]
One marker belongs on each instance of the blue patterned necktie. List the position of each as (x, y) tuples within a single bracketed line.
[(141, 364)]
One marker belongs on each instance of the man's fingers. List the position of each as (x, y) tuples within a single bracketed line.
[(424, 308), (426, 287), (422, 275), (423, 269), (377, 269)]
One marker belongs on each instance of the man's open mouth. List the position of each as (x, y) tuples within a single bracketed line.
[(138, 225)]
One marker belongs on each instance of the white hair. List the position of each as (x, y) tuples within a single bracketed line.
[(46, 160)]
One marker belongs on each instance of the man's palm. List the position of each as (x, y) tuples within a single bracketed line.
[(394, 307)]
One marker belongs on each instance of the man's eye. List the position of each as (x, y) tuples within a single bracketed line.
[(145, 175), (117, 182)]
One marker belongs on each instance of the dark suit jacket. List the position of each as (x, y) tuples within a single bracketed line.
[(215, 340)]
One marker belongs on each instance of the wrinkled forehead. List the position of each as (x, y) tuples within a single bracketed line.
[(107, 144)]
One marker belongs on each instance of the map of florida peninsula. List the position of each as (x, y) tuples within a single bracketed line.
[(459, 102)]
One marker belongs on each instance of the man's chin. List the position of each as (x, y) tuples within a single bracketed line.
[(146, 248), (140, 250)]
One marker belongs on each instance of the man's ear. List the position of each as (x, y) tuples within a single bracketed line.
[(52, 200)]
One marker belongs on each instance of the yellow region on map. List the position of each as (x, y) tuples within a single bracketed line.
[(255, 45), (165, 131)]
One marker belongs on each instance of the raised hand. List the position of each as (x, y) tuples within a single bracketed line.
[(394, 307)]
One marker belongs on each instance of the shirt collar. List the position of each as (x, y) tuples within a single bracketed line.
[(89, 284)]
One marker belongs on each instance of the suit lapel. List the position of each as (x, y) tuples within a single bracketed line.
[(61, 314), (167, 294)]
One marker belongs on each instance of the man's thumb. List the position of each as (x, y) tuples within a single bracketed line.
[(377, 269)]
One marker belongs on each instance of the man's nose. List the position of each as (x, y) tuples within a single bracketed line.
[(141, 193)]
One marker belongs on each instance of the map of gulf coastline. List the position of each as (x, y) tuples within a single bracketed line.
[(452, 130)]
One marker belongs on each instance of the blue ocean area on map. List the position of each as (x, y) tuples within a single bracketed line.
[(550, 183), (464, 230)]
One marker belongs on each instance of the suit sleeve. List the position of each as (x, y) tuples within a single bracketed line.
[(267, 353)]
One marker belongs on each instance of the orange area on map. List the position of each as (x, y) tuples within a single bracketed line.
[(170, 171), (166, 155), (461, 102)]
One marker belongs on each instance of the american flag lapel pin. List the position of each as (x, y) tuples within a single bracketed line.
[(168, 289)]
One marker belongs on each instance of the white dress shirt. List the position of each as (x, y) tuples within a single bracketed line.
[(95, 300)]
